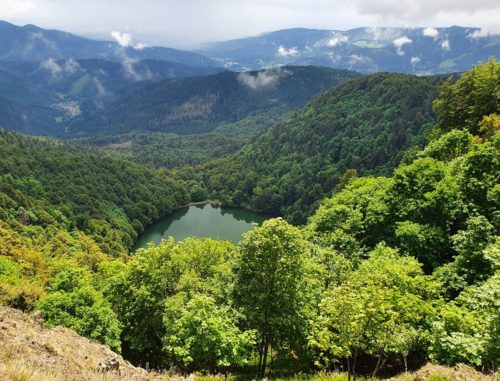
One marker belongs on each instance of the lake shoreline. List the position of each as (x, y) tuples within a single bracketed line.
[(215, 203), (220, 204), (201, 219)]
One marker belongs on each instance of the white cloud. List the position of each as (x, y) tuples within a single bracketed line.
[(129, 66), (39, 38), (101, 89), (140, 46), (445, 45), (128, 63), (383, 34), (415, 60), (178, 23), (57, 70), (336, 39), (52, 66), (263, 79), (71, 66), (356, 58), (413, 9), (431, 32), (486, 32), (335, 57), (399, 42), (123, 39), (284, 52)]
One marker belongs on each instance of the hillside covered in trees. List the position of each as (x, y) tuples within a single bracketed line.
[(53, 194), (364, 126), (200, 104), (389, 271)]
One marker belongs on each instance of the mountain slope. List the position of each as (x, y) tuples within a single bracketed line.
[(364, 124), (31, 43), (28, 350), (51, 188), (47, 93), (199, 104), (367, 50), (87, 78)]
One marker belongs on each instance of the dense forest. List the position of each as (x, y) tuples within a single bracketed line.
[(52, 193), (40, 97), (387, 273), (364, 126), (199, 104), (166, 150)]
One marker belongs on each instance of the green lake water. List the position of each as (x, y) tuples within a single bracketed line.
[(202, 221)]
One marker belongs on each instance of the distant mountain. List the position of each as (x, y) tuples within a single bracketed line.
[(42, 95), (367, 50), (87, 77), (200, 104), (27, 118), (31, 43)]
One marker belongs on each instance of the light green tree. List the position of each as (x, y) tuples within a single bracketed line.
[(379, 310), (204, 336), (75, 304), (272, 286)]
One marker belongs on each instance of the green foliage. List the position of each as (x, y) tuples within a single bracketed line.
[(364, 124), (450, 146), (200, 104), (52, 187), (468, 330), (160, 281), (74, 303), (10, 271), (464, 104), (206, 336), (167, 150), (380, 310), (389, 270), (272, 286)]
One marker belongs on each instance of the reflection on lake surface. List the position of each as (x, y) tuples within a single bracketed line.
[(202, 221)]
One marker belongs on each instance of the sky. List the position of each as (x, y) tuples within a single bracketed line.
[(191, 23)]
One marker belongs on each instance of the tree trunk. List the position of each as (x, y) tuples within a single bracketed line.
[(264, 360), (272, 361), (380, 364), (405, 360), (348, 369), (376, 367), (354, 365), (261, 350)]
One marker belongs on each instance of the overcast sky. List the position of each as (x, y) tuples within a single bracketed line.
[(188, 23)]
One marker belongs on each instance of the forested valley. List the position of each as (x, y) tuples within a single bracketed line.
[(384, 254)]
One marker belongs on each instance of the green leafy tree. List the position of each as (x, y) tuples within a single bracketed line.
[(464, 104), (468, 330), (74, 303), (160, 278), (271, 285), (204, 336), (379, 310)]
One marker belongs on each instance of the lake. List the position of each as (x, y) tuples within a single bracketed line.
[(202, 221)]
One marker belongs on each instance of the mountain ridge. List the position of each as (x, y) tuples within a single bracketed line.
[(416, 50), (32, 43), (199, 104)]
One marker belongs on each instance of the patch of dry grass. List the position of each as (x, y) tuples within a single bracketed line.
[(31, 352), (431, 372)]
